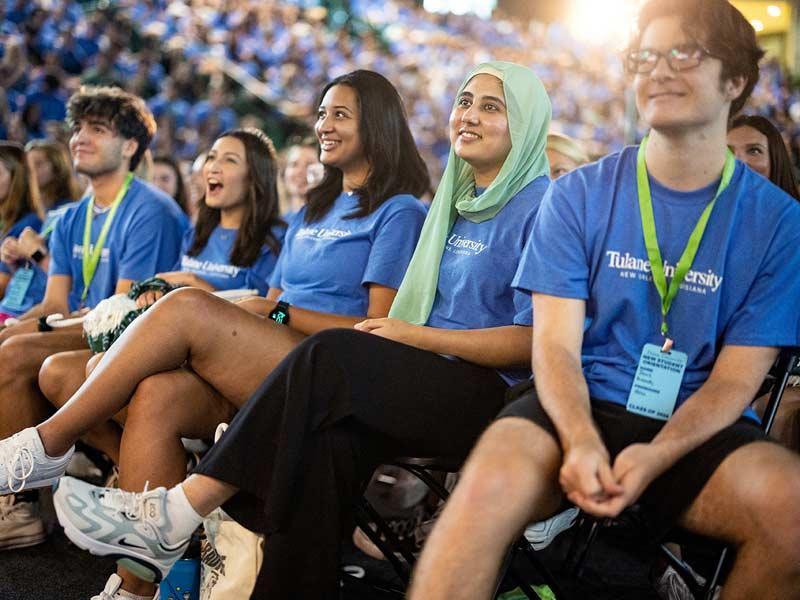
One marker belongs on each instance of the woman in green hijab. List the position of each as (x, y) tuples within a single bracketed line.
[(424, 382)]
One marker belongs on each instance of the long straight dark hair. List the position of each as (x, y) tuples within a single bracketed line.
[(395, 166), (781, 170), (261, 203)]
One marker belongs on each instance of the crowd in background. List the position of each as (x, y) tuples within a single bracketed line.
[(177, 56)]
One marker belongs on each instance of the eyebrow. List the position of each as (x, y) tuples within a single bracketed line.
[(493, 98), (337, 107)]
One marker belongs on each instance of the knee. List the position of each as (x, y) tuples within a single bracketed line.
[(92, 363), (502, 468), (152, 402), (180, 303), (51, 377), (14, 358), (774, 501)]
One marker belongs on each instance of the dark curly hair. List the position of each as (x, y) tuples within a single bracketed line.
[(127, 114)]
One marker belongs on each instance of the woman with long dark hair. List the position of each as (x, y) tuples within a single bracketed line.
[(20, 206), (25, 255), (343, 259), (167, 177), (757, 142), (424, 382)]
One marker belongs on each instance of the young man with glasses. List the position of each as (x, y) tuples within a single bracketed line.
[(123, 231), (686, 262)]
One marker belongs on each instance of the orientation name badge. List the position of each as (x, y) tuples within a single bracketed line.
[(18, 288), (659, 374)]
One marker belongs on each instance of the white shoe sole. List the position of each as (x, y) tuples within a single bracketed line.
[(143, 567), (31, 486)]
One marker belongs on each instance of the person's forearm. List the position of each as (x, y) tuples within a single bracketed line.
[(710, 409), (33, 313), (496, 347), (310, 322), (564, 395)]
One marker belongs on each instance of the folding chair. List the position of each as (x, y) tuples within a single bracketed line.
[(402, 557), (787, 365)]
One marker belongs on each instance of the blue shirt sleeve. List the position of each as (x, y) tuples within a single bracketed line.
[(150, 248), (61, 248), (393, 247), (554, 260), (766, 318), (186, 243)]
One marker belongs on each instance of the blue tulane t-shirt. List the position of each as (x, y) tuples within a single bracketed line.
[(34, 292), (144, 239), (213, 263), (742, 289), (326, 265), (474, 290)]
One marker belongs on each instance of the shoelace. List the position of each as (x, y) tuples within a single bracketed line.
[(16, 469), (130, 504)]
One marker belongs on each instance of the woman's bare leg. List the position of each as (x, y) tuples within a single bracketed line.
[(228, 347), (164, 408), (206, 493), (59, 378)]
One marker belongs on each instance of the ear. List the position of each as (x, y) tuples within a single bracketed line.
[(734, 87), (129, 148)]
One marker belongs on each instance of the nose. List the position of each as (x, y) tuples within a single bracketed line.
[(470, 115), (325, 124), (662, 70)]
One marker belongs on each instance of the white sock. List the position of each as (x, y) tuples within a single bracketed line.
[(183, 518), (126, 595)]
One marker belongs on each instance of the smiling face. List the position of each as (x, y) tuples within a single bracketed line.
[(97, 149), (225, 174), (479, 127), (337, 130), (296, 175), (751, 147), (681, 100)]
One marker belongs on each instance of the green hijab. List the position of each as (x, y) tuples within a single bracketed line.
[(528, 111)]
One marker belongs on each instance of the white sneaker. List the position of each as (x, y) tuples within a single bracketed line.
[(542, 533), (128, 525), (114, 591), (20, 524), (25, 465)]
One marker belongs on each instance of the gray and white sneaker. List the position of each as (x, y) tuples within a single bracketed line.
[(133, 527), (113, 590), (542, 533), (25, 465)]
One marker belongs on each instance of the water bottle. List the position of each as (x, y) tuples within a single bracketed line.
[(183, 580)]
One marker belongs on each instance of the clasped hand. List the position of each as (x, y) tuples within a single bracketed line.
[(595, 486)]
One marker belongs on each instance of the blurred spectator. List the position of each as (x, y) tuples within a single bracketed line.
[(20, 206), (51, 166), (564, 154), (301, 172), (167, 177)]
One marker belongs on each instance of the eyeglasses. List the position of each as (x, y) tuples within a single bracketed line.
[(679, 58)]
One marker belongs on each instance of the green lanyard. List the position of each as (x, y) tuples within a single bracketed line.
[(91, 255), (667, 295)]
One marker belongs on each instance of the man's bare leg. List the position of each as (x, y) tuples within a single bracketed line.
[(510, 479), (21, 402), (753, 501), (228, 347)]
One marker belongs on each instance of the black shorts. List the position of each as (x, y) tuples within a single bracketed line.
[(671, 494)]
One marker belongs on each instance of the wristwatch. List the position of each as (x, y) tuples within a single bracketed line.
[(280, 314), (39, 255), (43, 325)]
